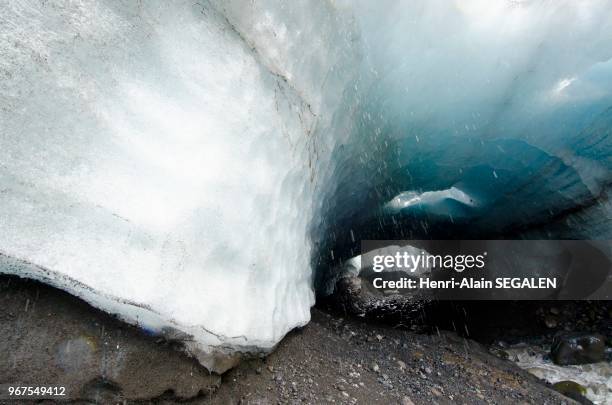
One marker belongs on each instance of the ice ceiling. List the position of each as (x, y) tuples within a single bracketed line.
[(188, 165)]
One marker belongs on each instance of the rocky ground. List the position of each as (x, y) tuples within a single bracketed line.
[(49, 337)]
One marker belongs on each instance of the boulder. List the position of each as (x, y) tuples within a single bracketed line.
[(578, 348)]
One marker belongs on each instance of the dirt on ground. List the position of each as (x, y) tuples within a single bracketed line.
[(48, 337)]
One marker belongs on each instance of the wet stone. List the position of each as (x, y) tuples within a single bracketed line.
[(578, 348)]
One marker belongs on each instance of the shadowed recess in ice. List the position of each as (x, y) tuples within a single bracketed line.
[(476, 120), (187, 165)]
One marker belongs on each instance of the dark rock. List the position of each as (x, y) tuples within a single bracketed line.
[(357, 296), (501, 353), (550, 322), (572, 390), (578, 348), (565, 387)]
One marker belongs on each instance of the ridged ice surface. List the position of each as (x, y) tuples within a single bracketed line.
[(183, 164)]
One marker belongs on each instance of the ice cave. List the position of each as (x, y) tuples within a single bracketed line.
[(197, 167)]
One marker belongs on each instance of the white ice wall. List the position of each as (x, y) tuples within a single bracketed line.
[(160, 165)]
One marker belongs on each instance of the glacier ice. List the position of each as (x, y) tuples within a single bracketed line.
[(188, 166), (156, 164)]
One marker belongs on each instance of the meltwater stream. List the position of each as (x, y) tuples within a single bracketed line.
[(197, 167), (596, 378)]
